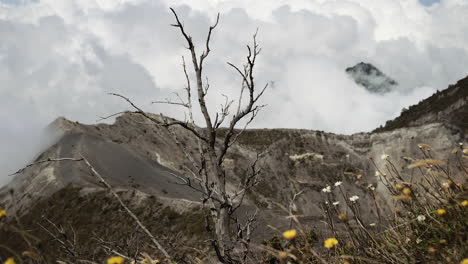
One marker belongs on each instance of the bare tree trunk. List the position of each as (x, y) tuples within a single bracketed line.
[(209, 170)]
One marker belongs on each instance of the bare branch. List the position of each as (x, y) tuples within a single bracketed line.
[(198, 67), (247, 80), (167, 101), (110, 116), (207, 51), (140, 224), (181, 27), (224, 112), (165, 122), (44, 161)]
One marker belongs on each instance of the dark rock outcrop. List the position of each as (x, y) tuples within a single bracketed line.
[(371, 78)]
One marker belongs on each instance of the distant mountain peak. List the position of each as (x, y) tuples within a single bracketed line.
[(371, 78)]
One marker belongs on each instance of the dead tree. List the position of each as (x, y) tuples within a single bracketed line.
[(209, 175)]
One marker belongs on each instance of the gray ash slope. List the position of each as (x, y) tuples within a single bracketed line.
[(371, 78), (139, 160)]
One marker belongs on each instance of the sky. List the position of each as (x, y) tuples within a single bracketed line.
[(429, 2), (62, 57)]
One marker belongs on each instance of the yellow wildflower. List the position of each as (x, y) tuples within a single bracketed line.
[(441, 211), (431, 250), (464, 261), (342, 217), (331, 242), (464, 203), (399, 186), (115, 260), (2, 213), (9, 261), (406, 191), (282, 255), (290, 234)]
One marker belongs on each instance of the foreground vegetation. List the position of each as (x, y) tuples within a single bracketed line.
[(422, 219), (419, 218)]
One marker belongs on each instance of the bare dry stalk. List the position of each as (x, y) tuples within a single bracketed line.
[(140, 224)]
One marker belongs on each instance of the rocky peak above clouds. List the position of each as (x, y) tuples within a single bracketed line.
[(371, 78)]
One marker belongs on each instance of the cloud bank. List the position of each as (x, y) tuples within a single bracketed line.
[(61, 58)]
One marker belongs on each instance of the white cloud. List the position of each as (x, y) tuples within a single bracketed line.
[(60, 58)]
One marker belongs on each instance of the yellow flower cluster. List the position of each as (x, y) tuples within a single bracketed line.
[(331, 242), (290, 234), (9, 261), (115, 260), (441, 211), (406, 191), (282, 255), (342, 217), (2, 213)]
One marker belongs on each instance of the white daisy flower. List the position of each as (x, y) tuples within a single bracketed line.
[(421, 218), (336, 203), (338, 183), (354, 198), (326, 189)]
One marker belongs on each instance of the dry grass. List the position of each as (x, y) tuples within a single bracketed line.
[(424, 221)]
